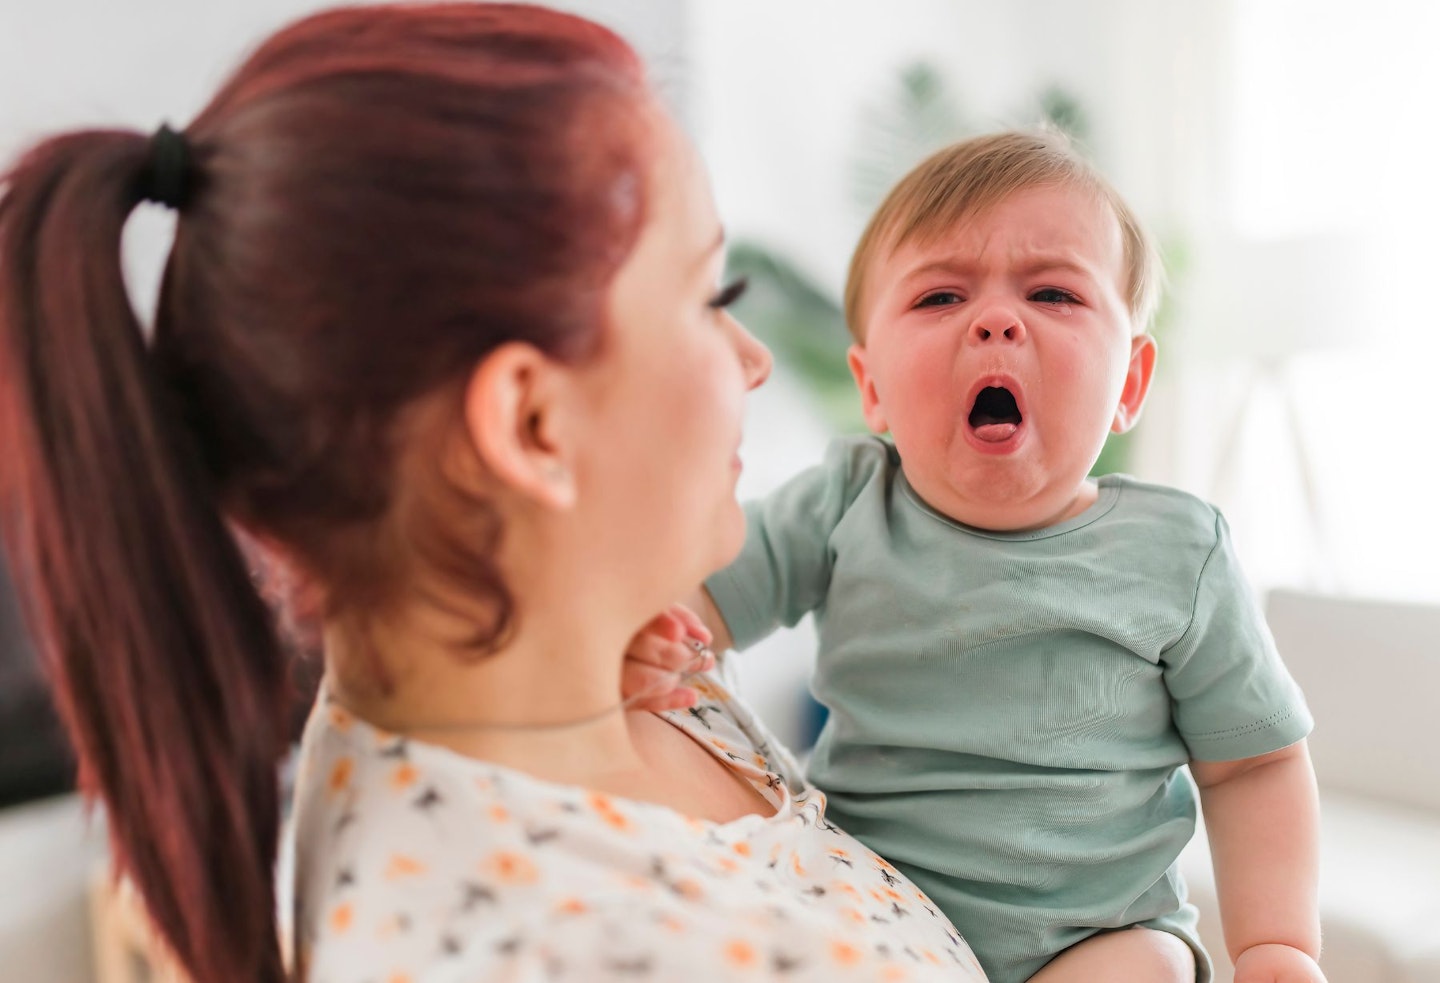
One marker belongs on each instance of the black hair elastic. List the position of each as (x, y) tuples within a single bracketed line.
[(166, 178)]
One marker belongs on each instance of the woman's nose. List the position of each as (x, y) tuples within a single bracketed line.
[(755, 359)]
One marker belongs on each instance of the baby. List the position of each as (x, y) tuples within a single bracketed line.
[(1019, 660)]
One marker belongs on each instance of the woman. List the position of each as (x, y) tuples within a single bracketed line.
[(440, 333)]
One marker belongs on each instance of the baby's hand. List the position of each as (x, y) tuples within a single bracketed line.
[(1275, 963), (673, 643)]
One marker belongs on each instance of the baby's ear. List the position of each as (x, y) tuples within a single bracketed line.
[(1137, 383), (869, 398)]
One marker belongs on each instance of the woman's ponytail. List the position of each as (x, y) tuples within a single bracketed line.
[(164, 661)]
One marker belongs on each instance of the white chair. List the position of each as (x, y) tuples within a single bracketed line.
[(1371, 674)]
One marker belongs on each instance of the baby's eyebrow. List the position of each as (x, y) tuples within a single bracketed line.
[(1041, 263), (937, 266), (1051, 264)]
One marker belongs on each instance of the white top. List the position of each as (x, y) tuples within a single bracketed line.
[(415, 864)]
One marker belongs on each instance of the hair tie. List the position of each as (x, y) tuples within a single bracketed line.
[(166, 178)]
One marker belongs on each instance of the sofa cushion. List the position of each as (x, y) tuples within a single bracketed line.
[(1379, 892), (1370, 671)]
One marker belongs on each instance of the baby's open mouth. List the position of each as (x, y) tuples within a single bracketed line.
[(995, 417)]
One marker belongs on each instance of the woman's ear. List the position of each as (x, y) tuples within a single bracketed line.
[(1137, 383), (515, 414)]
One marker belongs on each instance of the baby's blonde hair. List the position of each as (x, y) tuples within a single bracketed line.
[(959, 182)]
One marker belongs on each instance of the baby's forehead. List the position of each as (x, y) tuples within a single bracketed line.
[(1037, 225)]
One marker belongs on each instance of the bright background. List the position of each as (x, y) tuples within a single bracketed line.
[(1283, 151)]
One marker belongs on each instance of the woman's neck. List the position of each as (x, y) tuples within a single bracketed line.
[(548, 703)]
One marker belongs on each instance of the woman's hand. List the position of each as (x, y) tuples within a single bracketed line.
[(1276, 963), (672, 644)]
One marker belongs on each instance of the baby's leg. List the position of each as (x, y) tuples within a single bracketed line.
[(1132, 955)]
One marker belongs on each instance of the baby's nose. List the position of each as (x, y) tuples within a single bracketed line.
[(997, 325)]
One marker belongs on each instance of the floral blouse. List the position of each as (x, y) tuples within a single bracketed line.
[(414, 864)]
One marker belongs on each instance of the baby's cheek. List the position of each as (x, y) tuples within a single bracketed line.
[(1072, 364)]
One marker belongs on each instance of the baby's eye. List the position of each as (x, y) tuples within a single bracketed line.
[(940, 298), (1053, 295)]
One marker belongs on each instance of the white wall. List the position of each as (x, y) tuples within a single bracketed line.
[(780, 87)]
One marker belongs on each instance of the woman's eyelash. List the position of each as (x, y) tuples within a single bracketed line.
[(728, 295)]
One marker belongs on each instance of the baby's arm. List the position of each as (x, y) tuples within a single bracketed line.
[(1262, 814)]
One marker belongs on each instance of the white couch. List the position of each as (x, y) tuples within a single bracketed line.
[(1371, 674), (49, 852)]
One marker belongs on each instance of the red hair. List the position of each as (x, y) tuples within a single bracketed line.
[(378, 198)]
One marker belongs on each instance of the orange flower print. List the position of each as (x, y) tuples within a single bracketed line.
[(741, 954), (854, 914), (571, 906), (605, 808), (404, 775), (340, 718), (672, 924), (617, 820), (727, 864), (401, 865), (499, 814), (342, 916), (340, 775), (795, 865), (742, 848), (706, 689), (844, 953), (509, 867), (688, 889), (399, 978), (893, 974), (845, 887)]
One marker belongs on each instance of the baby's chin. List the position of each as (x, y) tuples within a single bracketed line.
[(1005, 499)]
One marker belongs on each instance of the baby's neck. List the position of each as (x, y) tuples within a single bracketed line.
[(1004, 517)]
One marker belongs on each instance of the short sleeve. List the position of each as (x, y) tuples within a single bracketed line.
[(783, 571), (1233, 697)]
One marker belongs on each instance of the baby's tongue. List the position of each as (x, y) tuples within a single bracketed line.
[(995, 432)]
